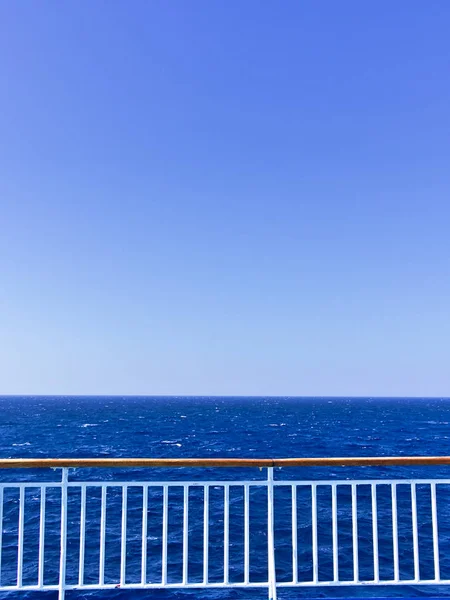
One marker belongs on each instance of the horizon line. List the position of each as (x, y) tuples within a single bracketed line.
[(205, 396)]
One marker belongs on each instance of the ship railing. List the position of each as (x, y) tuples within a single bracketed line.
[(271, 533)]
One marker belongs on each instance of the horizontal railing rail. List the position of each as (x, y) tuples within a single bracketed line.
[(262, 533), (370, 461)]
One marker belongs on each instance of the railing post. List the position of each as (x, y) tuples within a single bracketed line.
[(62, 559), (270, 537)]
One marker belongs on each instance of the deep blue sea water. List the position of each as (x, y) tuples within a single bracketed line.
[(224, 427)]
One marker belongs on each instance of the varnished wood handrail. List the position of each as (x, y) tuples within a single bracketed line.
[(40, 463)]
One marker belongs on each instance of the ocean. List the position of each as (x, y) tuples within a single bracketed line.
[(181, 427)]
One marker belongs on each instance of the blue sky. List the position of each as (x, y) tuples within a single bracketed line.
[(219, 197)]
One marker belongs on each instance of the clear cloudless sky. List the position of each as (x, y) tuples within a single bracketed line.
[(224, 197)]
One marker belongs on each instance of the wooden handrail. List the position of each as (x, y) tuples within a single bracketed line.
[(40, 463)]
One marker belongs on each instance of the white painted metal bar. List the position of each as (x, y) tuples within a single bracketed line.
[(220, 482), (205, 534), (351, 583), (1, 532), (30, 484), (355, 534), (434, 519), (185, 534), (376, 566), (200, 585), (272, 583), (138, 484), (315, 557), (246, 534), (102, 537), (395, 532), (82, 535), (226, 533), (415, 531), (309, 482), (334, 521), (144, 534), (41, 538), (157, 483), (165, 527), (62, 562), (20, 537), (250, 482), (180, 483), (123, 536), (294, 535)]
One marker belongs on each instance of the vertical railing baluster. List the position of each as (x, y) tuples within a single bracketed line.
[(1, 531), (395, 531), (226, 533), (123, 539), (294, 535), (41, 537), (144, 534), (415, 531), (20, 540), (272, 579), (437, 570), (82, 535), (376, 566), (62, 561), (205, 533), (102, 536), (355, 534), (164, 533), (185, 533), (315, 553), (335, 532), (246, 534)]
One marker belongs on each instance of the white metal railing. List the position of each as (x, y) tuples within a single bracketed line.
[(203, 534)]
